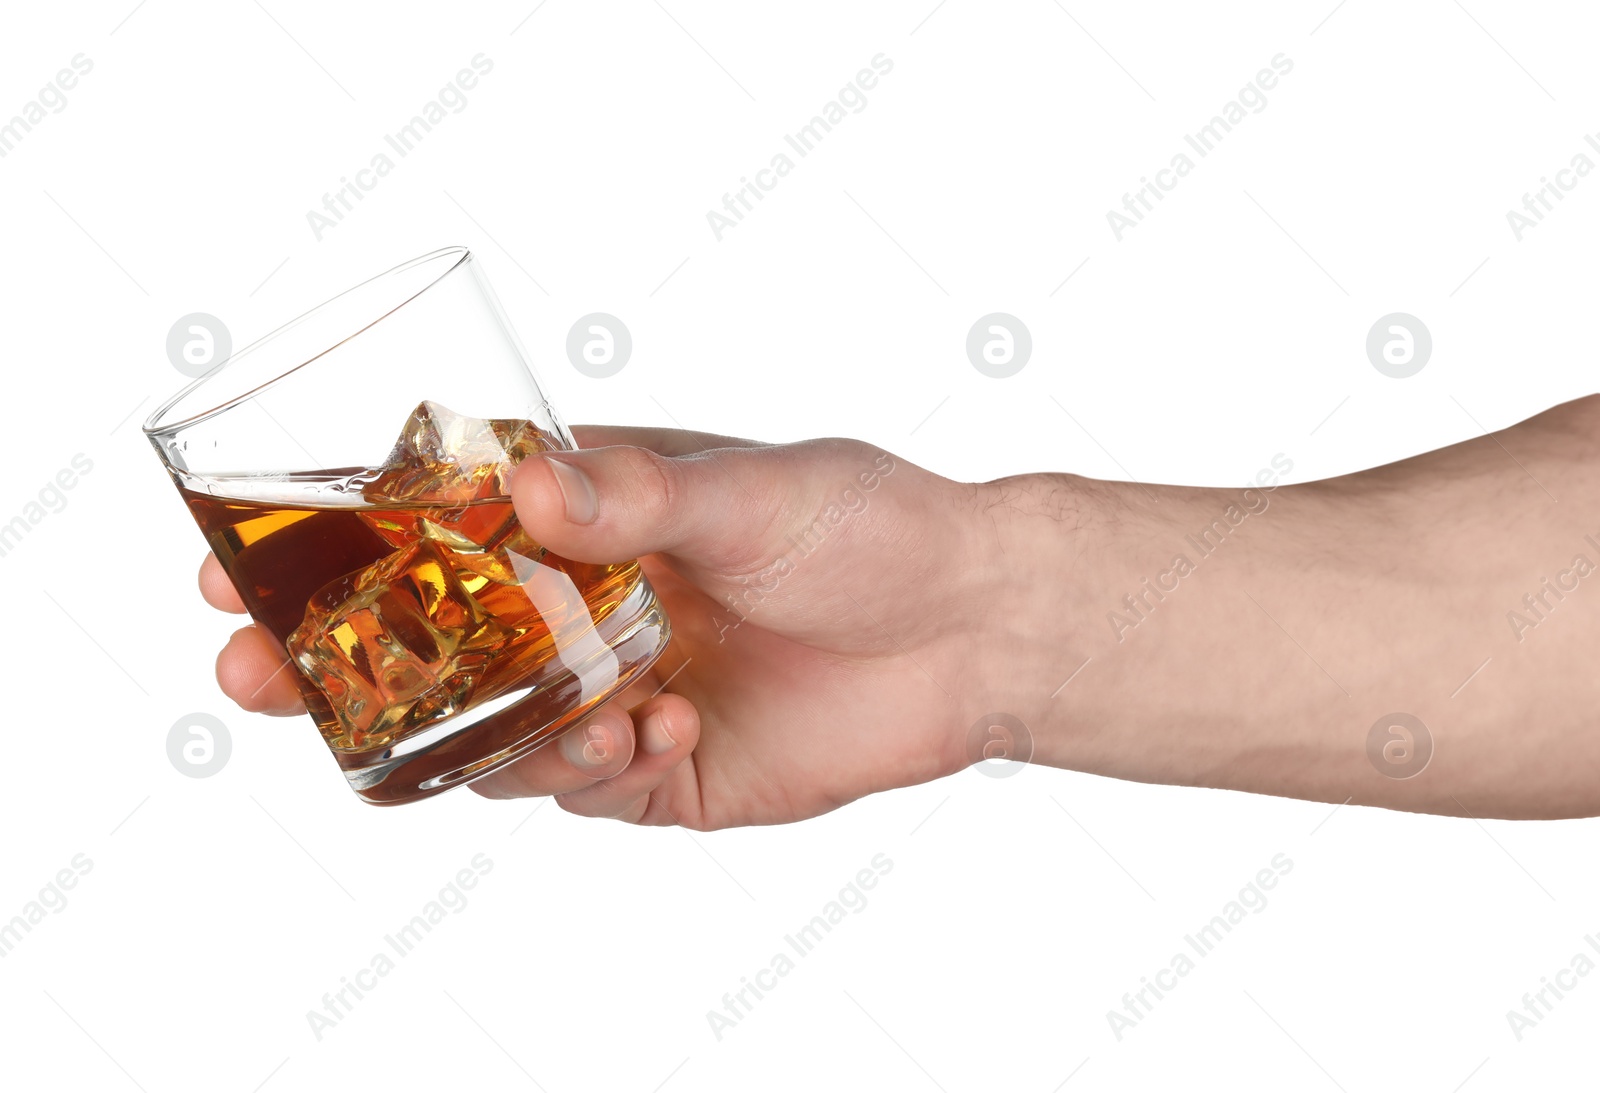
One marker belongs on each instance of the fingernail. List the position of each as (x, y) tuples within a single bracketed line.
[(576, 490), (654, 737), (589, 746)]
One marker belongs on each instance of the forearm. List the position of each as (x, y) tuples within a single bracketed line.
[(1252, 639)]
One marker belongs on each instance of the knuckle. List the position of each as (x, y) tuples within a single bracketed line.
[(659, 478), (843, 449), (586, 803)]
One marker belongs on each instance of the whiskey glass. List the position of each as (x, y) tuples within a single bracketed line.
[(350, 472)]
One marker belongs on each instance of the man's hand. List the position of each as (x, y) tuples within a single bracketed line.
[(823, 598), (842, 618)]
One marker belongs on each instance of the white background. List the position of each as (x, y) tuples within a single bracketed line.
[(1226, 328)]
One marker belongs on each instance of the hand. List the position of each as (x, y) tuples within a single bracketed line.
[(1256, 639), (815, 592)]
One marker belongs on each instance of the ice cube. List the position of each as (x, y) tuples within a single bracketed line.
[(459, 468), (492, 561), (468, 528), (397, 645), (474, 539), (447, 458)]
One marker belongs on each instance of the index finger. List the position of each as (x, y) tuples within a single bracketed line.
[(217, 589), (668, 442)]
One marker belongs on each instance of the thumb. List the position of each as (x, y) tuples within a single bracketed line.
[(712, 509)]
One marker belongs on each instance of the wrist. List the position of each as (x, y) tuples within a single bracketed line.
[(1045, 540)]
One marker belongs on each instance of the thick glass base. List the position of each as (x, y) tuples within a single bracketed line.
[(585, 674)]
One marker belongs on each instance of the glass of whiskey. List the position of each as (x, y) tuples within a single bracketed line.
[(350, 472)]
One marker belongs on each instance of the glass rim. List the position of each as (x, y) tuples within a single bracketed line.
[(154, 426)]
